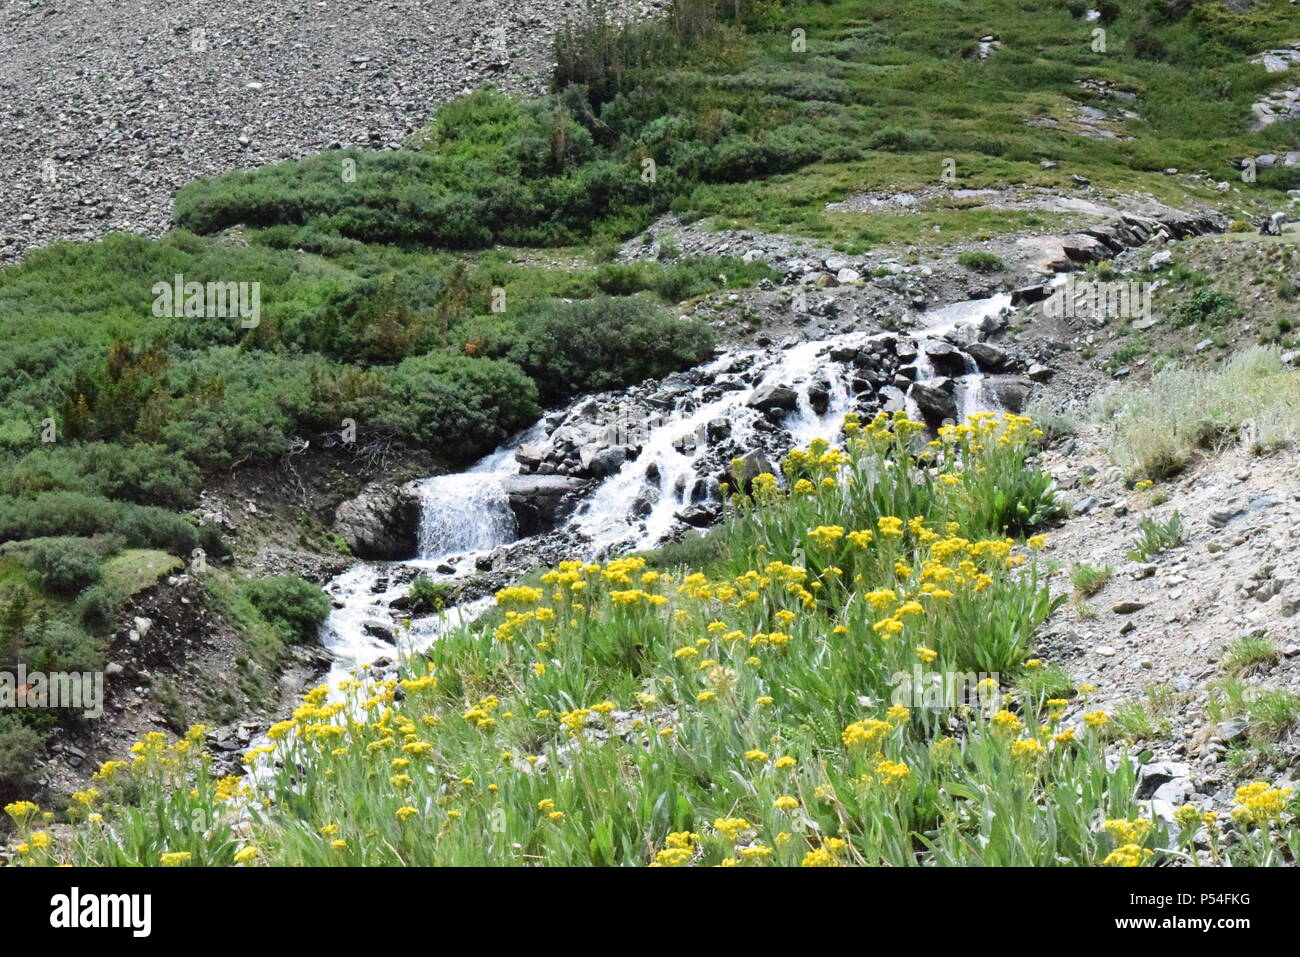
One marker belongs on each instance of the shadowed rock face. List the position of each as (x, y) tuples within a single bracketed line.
[(770, 398), (540, 502), (382, 523), (935, 400)]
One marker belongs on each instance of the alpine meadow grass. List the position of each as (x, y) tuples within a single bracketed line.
[(772, 706)]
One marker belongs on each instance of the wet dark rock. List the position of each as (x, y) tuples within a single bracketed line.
[(935, 400), (946, 358), (773, 397), (988, 357), (539, 502), (700, 516), (381, 523), (819, 397), (645, 501)]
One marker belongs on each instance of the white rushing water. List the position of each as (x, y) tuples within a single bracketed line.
[(460, 514), (969, 393), (672, 446), (468, 513), (361, 631)]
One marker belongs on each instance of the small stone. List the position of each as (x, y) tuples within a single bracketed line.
[(1234, 729), (1128, 607)]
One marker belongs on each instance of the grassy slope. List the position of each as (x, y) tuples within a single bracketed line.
[(742, 712)]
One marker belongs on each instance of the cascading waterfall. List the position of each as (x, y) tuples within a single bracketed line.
[(464, 512), (469, 512), (671, 448), (968, 394)]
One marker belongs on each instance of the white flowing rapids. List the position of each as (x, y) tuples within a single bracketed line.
[(468, 513)]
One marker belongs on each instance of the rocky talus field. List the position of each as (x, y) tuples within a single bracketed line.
[(111, 107)]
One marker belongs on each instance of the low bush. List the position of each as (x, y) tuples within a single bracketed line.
[(294, 606), (66, 565), (459, 406), (589, 346), (981, 262)]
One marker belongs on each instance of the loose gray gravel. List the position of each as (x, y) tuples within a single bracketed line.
[(107, 107)]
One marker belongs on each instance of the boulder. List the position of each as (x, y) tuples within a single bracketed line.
[(701, 515), (935, 400), (1011, 392), (988, 357), (1083, 248), (529, 457), (946, 358), (748, 467), (892, 398), (601, 463), (819, 397), (776, 396), (540, 502), (381, 523)]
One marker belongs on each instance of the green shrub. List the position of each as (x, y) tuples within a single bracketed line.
[(66, 565), (295, 607), (590, 346), (20, 746), (1207, 307), (1250, 654), (981, 262), (458, 405), (143, 473), (897, 139), (428, 596), (63, 646), (97, 609)]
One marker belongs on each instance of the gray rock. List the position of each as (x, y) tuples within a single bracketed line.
[(1039, 373), (381, 523), (892, 398), (601, 463), (935, 401), (988, 357), (1152, 777), (1011, 392), (1221, 516), (773, 397), (946, 358), (1233, 729), (745, 469), (539, 502)]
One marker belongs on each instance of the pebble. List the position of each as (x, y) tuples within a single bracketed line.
[(1128, 607)]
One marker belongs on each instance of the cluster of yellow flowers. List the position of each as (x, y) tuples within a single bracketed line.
[(986, 428), (1259, 804)]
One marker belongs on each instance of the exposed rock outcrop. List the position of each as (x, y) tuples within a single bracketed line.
[(383, 522), (540, 502)]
